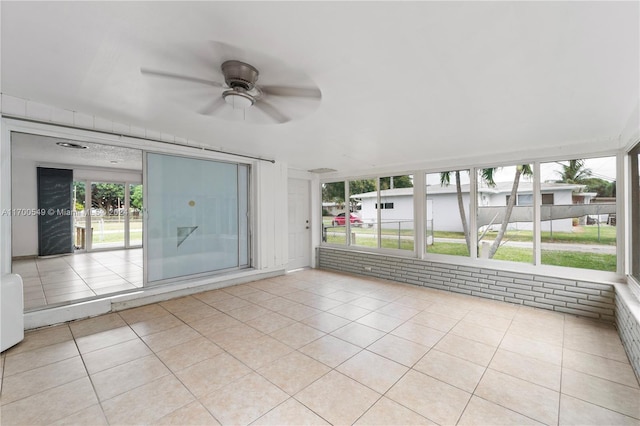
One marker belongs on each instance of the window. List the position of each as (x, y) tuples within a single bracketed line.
[(396, 212), (385, 206), (523, 200), (368, 216), (363, 194), (334, 230), (547, 199), (505, 230), (447, 213), (197, 216), (578, 226)]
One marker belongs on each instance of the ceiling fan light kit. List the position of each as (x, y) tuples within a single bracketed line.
[(238, 99)]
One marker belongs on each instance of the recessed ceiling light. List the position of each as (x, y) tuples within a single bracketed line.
[(71, 145)]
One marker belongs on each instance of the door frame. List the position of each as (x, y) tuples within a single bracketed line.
[(310, 222)]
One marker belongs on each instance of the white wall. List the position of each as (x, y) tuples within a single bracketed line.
[(270, 211), (560, 198), (445, 211), (24, 195), (401, 215), (402, 211)]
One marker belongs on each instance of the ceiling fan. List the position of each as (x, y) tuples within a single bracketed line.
[(241, 91)]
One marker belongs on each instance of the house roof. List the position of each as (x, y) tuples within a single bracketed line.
[(499, 188), (402, 83)]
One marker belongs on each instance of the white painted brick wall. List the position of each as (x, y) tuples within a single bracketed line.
[(586, 299), (629, 329), (24, 108)]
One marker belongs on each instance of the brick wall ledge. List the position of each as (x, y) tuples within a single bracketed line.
[(576, 296)]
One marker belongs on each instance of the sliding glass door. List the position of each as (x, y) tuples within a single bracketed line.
[(196, 213)]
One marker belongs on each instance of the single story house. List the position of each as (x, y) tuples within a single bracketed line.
[(332, 208), (558, 206)]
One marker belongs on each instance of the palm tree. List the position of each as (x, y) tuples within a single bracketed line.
[(574, 172), (487, 176), (526, 170), (445, 180)]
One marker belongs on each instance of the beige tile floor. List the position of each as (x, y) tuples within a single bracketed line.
[(59, 280), (316, 347)]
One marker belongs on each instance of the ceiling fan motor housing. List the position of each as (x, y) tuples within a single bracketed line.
[(239, 75)]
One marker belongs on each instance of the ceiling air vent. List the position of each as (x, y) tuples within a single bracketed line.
[(322, 170)]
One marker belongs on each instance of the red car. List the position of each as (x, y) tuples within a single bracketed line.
[(339, 220)]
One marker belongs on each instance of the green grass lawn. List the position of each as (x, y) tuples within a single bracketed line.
[(596, 261), (109, 225), (587, 234), (580, 235), (573, 259), (454, 249)]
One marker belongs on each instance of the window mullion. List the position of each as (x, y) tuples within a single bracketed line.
[(537, 224), (378, 212), (473, 213), (347, 215)]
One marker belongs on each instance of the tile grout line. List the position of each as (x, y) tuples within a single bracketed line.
[(564, 331), (95, 392), (361, 349), (410, 368), (473, 393), (171, 372)]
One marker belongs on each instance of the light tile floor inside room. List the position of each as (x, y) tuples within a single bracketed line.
[(316, 347), (55, 280)]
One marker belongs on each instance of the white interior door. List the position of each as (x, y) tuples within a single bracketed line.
[(299, 224)]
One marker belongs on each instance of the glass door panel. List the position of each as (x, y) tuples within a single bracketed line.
[(107, 215), (196, 221), (79, 216), (135, 215)]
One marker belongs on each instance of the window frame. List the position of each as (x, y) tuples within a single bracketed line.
[(634, 214), (472, 260), (247, 231)]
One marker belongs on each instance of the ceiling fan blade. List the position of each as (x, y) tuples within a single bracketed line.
[(180, 77), (212, 107), (271, 111), (300, 92)]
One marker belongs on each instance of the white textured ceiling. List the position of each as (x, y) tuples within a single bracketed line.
[(401, 82), (45, 150)]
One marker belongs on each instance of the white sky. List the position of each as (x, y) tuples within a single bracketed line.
[(603, 167)]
